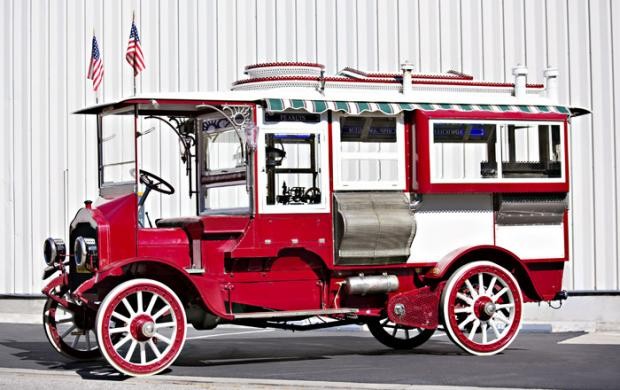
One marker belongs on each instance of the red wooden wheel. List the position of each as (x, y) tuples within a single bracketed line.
[(71, 334), (481, 308), (141, 327)]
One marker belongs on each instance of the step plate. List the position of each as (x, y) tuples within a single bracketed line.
[(295, 313)]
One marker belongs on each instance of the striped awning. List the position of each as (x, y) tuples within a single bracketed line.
[(319, 106)]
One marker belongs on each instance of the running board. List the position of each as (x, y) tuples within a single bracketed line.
[(294, 313)]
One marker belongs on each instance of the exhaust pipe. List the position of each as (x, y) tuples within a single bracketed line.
[(374, 284)]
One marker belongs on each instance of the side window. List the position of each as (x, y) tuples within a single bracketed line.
[(224, 171), (292, 165), (369, 153), (464, 151), (531, 151)]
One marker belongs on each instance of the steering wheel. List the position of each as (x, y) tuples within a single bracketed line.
[(155, 183)]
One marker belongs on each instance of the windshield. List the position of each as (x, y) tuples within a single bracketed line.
[(117, 150)]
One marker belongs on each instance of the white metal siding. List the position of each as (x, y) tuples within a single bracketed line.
[(47, 162)]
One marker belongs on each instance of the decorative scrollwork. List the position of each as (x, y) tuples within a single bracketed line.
[(238, 115)]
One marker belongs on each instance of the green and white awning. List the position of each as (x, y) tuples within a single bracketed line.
[(320, 106)]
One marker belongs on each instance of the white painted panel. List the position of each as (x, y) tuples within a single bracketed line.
[(306, 19), (346, 33), (246, 35), (266, 31), (387, 36), (227, 39), (584, 256), (532, 242), (367, 35), (446, 222), (450, 32), (615, 16), (557, 45), (604, 189), (535, 40), (286, 31), (430, 46), (326, 38), (207, 44), (472, 38), (514, 35), (494, 61), (22, 141), (409, 32), (7, 206)]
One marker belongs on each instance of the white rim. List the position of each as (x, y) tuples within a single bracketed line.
[(482, 284), (399, 332), (141, 304), (82, 340)]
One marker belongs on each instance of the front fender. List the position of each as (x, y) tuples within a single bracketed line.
[(207, 288)]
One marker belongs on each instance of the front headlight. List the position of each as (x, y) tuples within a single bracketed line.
[(54, 251), (84, 249)]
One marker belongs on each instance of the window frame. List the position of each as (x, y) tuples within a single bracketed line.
[(338, 156), (318, 128), (422, 154)]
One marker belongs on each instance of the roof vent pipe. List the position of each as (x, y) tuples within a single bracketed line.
[(551, 83), (520, 73), (407, 69)]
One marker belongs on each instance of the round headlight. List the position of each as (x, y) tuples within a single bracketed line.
[(53, 250), (83, 249)]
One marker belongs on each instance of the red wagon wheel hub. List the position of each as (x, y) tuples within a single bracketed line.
[(142, 327)]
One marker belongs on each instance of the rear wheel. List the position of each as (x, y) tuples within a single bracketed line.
[(141, 327), (481, 308), (398, 336), (71, 333)]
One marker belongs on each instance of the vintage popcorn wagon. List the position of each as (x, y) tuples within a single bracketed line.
[(401, 201)]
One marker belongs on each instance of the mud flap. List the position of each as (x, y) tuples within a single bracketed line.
[(416, 308)]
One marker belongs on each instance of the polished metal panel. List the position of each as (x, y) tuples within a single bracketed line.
[(531, 209), (372, 227)]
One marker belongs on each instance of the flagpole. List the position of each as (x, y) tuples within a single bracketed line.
[(133, 21)]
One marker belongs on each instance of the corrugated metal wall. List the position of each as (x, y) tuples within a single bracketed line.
[(46, 163)]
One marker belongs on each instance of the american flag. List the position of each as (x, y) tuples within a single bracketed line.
[(134, 51), (95, 69)]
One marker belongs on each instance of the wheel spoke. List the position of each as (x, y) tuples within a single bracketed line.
[(132, 347), (384, 321), (464, 309), (473, 330), (154, 348), (494, 328), (142, 353), (492, 285), (75, 341), (165, 325), (68, 331), (480, 284), (121, 329), (161, 312), (504, 306), (64, 321), (121, 317), (465, 298), (162, 338), (151, 305), (501, 292), (128, 307), (467, 320), (407, 334), (87, 340), (122, 342), (472, 290), (394, 331), (484, 333), (501, 317), (139, 302)]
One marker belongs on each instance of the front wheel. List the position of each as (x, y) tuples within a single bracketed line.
[(481, 308), (141, 327), (397, 336), (70, 333)]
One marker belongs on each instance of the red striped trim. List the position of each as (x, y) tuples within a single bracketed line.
[(272, 64)]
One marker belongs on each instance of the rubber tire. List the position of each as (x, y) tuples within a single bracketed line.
[(385, 338), (101, 314), (49, 325), (445, 306)]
